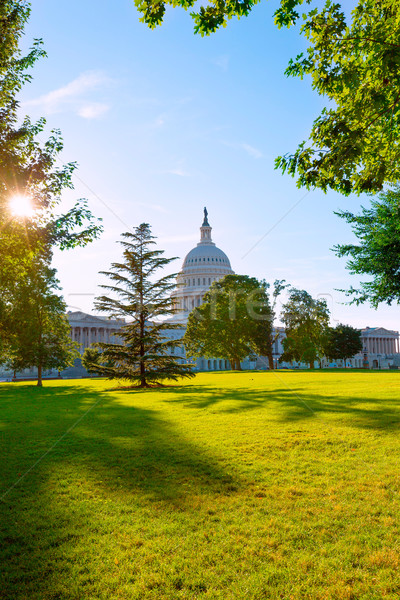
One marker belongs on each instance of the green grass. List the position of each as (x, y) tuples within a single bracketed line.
[(242, 486)]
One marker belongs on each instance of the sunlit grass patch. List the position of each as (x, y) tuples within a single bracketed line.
[(233, 485)]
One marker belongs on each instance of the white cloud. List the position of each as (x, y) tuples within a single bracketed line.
[(55, 101), (222, 62), (254, 152), (251, 150), (159, 121), (93, 110), (178, 171)]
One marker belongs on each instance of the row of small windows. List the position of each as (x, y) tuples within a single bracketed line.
[(210, 280), (193, 260)]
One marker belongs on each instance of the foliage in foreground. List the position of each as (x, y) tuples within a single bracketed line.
[(145, 354), (244, 486), (28, 169), (377, 251), (354, 63)]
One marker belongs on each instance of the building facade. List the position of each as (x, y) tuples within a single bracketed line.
[(203, 265), (88, 329)]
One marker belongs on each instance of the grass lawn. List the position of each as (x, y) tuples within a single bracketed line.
[(242, 486)]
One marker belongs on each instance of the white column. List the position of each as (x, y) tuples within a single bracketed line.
[(89, 336)]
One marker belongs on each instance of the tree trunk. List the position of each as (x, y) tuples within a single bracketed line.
[(39, 376), (312, 364), (271, 362), (143, 382), (233, 365), (238, 366)]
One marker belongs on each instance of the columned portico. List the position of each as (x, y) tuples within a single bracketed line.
[(88, 329)]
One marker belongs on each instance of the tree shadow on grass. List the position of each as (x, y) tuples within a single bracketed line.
[(117, 463), (293, 404)]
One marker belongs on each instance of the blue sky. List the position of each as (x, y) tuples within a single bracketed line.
[(164, 122)]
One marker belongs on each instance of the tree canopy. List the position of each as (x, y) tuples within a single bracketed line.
[(343, 341), (235, 320), (376, 254), (306, 323), (29, 171), (353, 61), (37, 326)]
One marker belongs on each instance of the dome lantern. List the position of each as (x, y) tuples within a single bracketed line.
[(205, 230)]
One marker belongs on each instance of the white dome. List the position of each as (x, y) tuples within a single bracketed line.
[(202, 266), (204, 256)]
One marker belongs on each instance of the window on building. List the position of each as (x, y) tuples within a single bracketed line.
[(198, 281)]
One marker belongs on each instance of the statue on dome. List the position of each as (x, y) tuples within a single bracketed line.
[(206, 223)]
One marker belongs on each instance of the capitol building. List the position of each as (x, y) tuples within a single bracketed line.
[(203, 265)]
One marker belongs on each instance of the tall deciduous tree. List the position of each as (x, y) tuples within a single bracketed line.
[(377, 251), (39, 329), (306, 322), (145, 354), (265, 335), (353, 61), (234, 320), (343, 342), (28, 169)]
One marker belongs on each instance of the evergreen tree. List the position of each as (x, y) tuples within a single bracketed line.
[(235, 320), (91, 359), (306, 321), (145, 354)]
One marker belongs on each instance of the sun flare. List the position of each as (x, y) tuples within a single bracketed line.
[(21, 206)]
